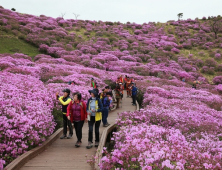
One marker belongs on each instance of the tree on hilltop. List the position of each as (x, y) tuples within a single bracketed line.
[(180, 15), (63, 14), (216, 25), (76, 15)]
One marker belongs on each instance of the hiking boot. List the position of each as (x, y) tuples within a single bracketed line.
[(63, 137), (69, 137), (90, 145), (106, 125), (96, 144), (78, 143)]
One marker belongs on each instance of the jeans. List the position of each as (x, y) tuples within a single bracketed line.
[(97, 124), (78, 128), (105, 115), (65, 123), (134, 99)]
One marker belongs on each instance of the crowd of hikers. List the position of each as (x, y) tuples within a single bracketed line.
[(97, 108)]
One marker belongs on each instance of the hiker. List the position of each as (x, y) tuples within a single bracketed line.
[(118, 81), (134, 93), (65, 100), (106, 105), (103, 94), (94, 109), (121, 79), (76, 113), (118, 95), (195, 84), (121, 89), (71, 83), (125, 80), (132, 80), (128, 82), (93, 83)]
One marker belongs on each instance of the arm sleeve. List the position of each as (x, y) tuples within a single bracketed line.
[(64, 103), (100, 106), (68, 109), (87, 106), (84, 108)]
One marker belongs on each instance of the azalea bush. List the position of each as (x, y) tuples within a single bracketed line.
[(178, 128), (25, 114)]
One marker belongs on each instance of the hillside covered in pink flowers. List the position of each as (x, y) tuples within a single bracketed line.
[(177, 127)]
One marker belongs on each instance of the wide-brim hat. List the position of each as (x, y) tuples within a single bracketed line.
[(94, 92), (67, 91)]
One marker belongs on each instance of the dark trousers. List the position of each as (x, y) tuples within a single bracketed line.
[(117, 100), (65, 123), (78, 128), (97, 124), (105, 115), (134, 99)]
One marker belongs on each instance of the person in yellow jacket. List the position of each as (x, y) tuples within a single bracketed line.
[(65, 100), (94, 110)]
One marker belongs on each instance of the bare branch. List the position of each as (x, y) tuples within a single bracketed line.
[(76, 15), (62, 15)]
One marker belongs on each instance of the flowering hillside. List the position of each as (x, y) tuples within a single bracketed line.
[(178, 127)]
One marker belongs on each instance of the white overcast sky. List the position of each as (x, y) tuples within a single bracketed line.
[(138, 11)]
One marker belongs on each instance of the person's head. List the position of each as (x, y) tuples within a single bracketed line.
[(106, 89), (93, 93), (133, 84), (126, 76), (109, 94), (92, 79), (66, 92), (77, 96), (97, 91)]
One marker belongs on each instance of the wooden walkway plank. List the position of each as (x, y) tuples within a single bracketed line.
[(63, 154)]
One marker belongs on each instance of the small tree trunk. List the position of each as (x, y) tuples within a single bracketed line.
[(215, 35)]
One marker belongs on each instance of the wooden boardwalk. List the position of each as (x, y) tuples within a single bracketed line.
[(63, 154)]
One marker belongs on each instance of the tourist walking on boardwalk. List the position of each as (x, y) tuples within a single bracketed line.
[(94, 110), (134, 93), (118, 95), (76, 113), (125, 80), (65, 100), (103, 94), (105, 112)]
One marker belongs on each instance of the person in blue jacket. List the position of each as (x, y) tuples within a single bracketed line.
[(134, 93), (94, 110)]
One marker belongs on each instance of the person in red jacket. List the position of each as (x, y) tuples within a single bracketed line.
[(76, 113)]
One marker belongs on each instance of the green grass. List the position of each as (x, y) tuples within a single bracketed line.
[(11, 44)]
